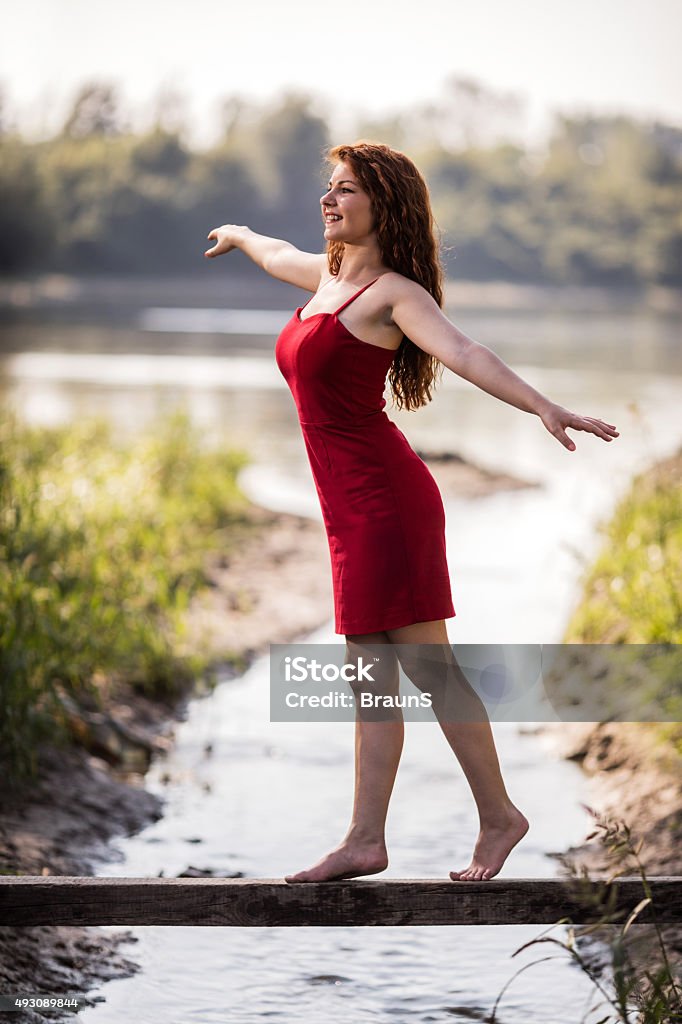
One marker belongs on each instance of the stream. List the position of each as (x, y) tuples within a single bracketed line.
[(244, 794)]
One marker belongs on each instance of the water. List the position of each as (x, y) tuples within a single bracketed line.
[(269, 799), (272, 797)]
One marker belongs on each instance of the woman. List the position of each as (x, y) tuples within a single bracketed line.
[(381, 506)]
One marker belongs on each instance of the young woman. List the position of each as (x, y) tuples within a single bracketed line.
[(376, 315)]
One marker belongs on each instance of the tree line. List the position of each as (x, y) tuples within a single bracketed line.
[(600, 205)]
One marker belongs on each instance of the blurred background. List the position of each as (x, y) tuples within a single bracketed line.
[(550, 139), (143, 413)]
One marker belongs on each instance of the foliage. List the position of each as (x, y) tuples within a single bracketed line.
[(631, 596), (599, 206), (639, 990), (101, 547), (633, 592)]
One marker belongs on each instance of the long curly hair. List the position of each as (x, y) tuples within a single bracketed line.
[(408, 242)]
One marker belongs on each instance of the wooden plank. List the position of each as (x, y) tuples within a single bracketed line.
[(271, 902)]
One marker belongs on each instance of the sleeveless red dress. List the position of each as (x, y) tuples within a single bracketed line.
[(381, 507)]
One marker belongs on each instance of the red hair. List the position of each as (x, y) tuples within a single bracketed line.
[(408, 243)]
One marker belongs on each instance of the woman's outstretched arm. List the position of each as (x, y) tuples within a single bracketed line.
[(277, 257), (420, 318)]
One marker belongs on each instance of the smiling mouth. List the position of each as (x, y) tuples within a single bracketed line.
[(332, 218)]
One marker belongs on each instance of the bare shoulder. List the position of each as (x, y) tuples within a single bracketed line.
[(413, 309), (400, 292)]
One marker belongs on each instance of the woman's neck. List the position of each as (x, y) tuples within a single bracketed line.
[(360, 262)]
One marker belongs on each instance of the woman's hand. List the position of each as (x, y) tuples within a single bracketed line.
[(556, 419), (226, 238)]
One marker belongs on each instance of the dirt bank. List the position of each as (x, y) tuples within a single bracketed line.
[(276, 588), (634, 776)]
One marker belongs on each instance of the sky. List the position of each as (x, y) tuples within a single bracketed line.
[(373, 56)]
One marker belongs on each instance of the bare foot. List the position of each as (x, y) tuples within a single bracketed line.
[(492, 848), (348, 860)]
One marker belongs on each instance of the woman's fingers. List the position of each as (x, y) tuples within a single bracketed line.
[(215, 250), (556, 428), (223, 242), (609, 427), (558, 418), (595, 426)]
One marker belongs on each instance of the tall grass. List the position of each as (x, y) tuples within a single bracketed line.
[(636, 985), (633, 592), (102, 545)]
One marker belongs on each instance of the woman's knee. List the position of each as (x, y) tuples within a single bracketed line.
[(427, 665), (376, 663)]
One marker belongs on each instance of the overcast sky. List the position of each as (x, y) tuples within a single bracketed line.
[(553, 55)]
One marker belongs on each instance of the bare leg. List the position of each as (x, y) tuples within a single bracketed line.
[(502, 824), (378, 746)]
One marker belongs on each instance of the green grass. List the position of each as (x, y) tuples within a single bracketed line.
[(633, 592), (102, 545)]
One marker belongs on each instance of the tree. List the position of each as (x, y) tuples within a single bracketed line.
[(95, 111), (293, 140)]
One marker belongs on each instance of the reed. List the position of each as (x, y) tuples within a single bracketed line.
[(632, 974)]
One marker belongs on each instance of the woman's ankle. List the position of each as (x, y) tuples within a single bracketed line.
[(359, 836), (501, 817)]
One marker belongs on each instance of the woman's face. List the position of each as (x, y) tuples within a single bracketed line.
[(346, 200)]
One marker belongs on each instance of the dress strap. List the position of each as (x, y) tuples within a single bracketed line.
[(353, 297)]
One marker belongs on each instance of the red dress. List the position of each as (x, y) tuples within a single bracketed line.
[(381, 506)]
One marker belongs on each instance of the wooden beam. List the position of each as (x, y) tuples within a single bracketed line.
[(270, 902)]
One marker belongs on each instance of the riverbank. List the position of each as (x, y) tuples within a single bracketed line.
[(636, 776), (631, 596), (273, 588), (86, 795)]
